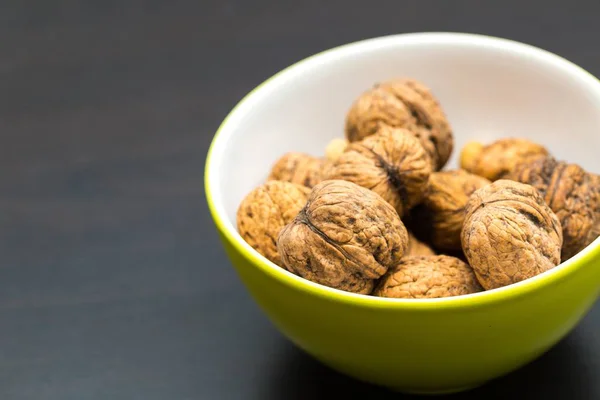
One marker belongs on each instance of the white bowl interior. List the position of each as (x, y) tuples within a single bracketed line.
[(490, 88)]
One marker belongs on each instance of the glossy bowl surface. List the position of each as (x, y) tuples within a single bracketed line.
[(489, 88)]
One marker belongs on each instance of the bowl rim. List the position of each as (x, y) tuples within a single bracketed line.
[(510, 292)]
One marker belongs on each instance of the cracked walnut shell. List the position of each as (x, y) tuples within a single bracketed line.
[(392, 163), (417, 277), (510, 234), (296, 167), (346, 237), (403, 103), (265, 211), (497, 159), (440, 217), (572, 193)]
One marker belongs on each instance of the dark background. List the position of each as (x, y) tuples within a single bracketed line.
[(113, 284)]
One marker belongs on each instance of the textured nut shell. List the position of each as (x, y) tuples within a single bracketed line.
[(403, 103), (265, 211), (299, 168), (335, 148), (595, 231), (572, 193), (441, 215), (345, 237), (418, 248), (497, 159), (510, 234), (432, 126), (417, 277), (373, 109), (392, 163)]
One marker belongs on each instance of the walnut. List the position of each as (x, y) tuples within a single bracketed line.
[(346, 237), (403, 103), (391, 162), (595, 181), (296, 167), (440, 217), (265, 211), (417, 247), (417, 277), (373, 109), (495, 160), (510, 234), (335, 148), (572, 193)]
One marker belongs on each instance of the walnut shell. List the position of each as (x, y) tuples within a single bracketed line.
[(403, 103), (495, 160), (510, 234), (265, 211), (373, 109), (417, 247), (392, 163), (595, 231), (572, 193), (346, 237), (417, 277), (335, 148), (296, 167), (440, 217)]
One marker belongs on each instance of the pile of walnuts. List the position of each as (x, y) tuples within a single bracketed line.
[(377, 214)]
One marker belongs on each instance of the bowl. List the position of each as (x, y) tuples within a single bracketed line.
[(490, 88)]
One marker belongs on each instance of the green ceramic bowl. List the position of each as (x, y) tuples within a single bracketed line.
[(490, 88)]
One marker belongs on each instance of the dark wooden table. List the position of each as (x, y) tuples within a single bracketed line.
[(113, 284)]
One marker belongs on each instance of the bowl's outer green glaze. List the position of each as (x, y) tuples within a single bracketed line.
[(424, 346), (433, 350)]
